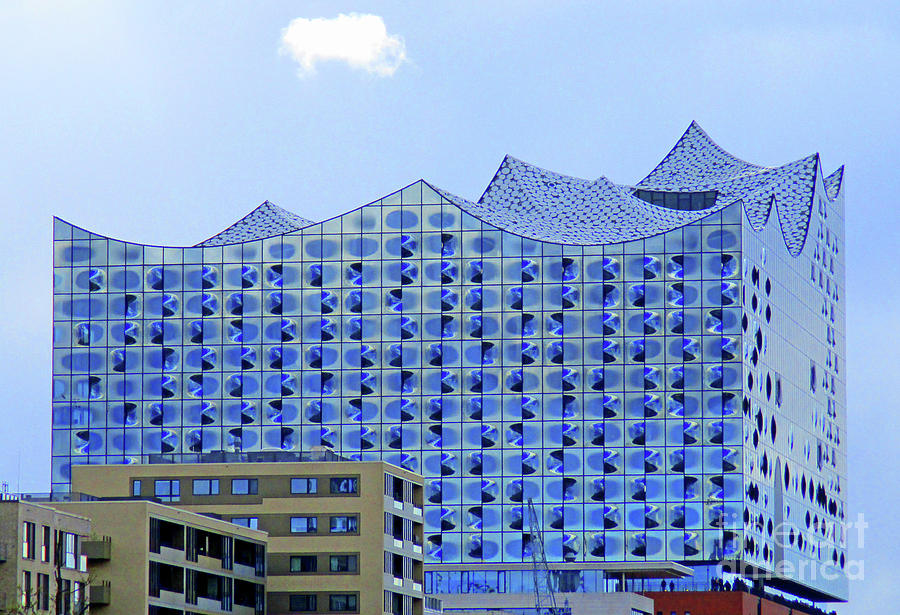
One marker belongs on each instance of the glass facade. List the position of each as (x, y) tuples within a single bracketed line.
[(664, 382)]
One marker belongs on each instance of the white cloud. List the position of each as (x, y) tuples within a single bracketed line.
[(361, 41)]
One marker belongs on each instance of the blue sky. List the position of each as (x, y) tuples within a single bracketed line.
[(165, 122)]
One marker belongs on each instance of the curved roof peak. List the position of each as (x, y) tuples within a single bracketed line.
[(834, 183), (265, 221), (695, 152)]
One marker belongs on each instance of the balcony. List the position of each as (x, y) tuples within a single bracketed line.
[(97, 550), (433, 606), (101, 594)]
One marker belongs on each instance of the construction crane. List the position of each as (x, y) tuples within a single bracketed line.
[(544, 593)]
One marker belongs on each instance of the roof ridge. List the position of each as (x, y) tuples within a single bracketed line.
[(265, 220)]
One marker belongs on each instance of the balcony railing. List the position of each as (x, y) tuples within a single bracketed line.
[(101, 593), (97, 549)]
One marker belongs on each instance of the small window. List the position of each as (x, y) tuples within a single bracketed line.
[(304, 485), (28, 539), (244, 486), (304, 525), (136, 488), (344, 484), (340, 603), (45, 543), (344, 524), (251, 522), (26, 589), (42, 593), (343, 563), (70, 549), (206, 486), (304, 563), (303, 603), (167, 490)]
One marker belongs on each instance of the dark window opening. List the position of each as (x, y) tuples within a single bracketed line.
[(170, 535), (397, 566), (246, 593), (340, 603), (244, 553), (343, 563), (209, 586), (396, 605), (209, 544), (684, 201), (304, 563), (165, 577), (303, 603)]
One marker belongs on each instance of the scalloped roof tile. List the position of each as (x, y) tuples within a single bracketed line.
[(265, 221)]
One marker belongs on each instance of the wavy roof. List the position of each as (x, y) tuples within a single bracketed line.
[(544, 205), (547, 206), (540, 204), (265, 221)]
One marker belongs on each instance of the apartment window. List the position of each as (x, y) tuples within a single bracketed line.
[(251, 522), (66, 607), (45, 543), (28, 545), (304, 563), (344, 484), (341, 603), (344, 524), (165, 577), (136, 488), (78, 596), (304, 485), (42, 594), (393, 603), (303, 602), (244, 486), (167, 490), (26, 589), (206, 486), (69, 549), (343, 563), (396, 488), (304, 525)]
